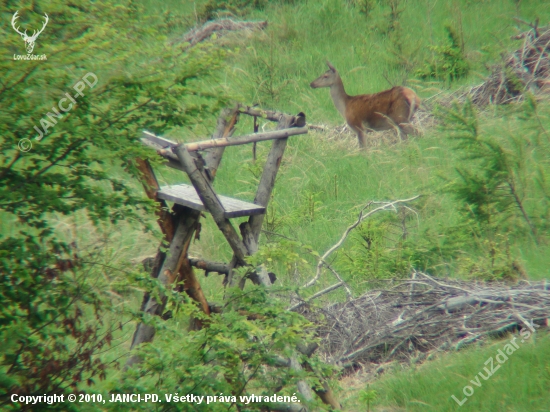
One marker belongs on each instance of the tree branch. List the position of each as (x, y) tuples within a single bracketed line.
[(385, 206), (315, 296)]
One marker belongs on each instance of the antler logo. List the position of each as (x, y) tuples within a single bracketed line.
[(29, 40)]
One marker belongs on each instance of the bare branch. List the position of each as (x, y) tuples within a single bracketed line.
[(384, 206), (403, 323), (348, 291), (316, 295)]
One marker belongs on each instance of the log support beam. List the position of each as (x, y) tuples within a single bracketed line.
[(168, 275), (200, 180)]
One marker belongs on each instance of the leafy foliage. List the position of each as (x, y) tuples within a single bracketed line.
[(365, 7), (51, 315), (213, 9), (367, 396), (235, 355), (58, 314), (496, 173), (494, 261), (448, 61), (62, 173), (378, 249), (493, 177), (50, 326)]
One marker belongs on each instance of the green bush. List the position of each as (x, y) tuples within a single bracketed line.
[(51, 327), (212, 9), (378, 249), (448, 62), (235, 355), (501, 187)]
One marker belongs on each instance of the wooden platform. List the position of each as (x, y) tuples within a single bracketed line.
[(186, 195)]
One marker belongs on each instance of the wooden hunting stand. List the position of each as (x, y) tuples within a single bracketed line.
[(189, 201), (179, 225)]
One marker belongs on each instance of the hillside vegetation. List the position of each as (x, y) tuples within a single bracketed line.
[(482, 174), (325, 180)]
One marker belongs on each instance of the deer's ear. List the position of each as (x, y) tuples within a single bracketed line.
[(330, 66)]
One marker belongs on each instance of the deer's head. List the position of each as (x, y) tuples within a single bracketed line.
[(327, 79), (29, 40)]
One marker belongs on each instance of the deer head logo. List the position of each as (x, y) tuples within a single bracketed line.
[(29, 40)]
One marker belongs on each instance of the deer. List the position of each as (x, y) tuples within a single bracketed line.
[(30, 41), (392, 108)]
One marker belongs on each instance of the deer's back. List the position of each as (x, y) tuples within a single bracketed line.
[(371, 109)]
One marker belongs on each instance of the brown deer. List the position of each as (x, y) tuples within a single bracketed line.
[(385, 110)]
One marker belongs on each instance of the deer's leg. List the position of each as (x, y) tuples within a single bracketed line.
[(401, 115), (407, 129), (361, 135)]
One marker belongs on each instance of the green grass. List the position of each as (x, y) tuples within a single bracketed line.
[(302, 36), (324, 181), (331, 178), (519, 384)]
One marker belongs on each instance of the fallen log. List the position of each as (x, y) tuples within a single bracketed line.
[(220, 27)]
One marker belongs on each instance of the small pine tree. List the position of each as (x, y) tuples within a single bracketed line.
[(448, 62)]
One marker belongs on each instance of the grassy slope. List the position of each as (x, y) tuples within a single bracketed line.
[(275, 69), (323, 182), (331, 177), (519, 384)]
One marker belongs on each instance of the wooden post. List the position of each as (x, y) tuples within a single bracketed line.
[(249, 138), (201, 174), (274, 116), (251, 230), (208, 196), (187, 219), (151, 187), (254, 144), (165, 220), (226, 125), (208, 266), (267, 181), (303, 387)]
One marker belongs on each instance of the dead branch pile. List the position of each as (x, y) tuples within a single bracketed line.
[(528, 68), (221, 28), (423, 315)]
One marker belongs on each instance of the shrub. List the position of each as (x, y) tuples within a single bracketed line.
[(212, 9), (448, 61)]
